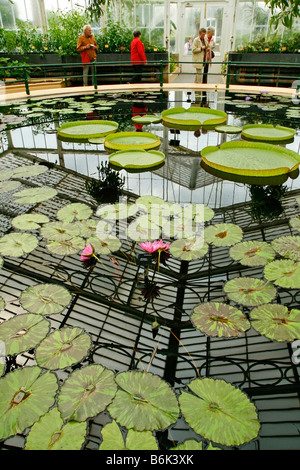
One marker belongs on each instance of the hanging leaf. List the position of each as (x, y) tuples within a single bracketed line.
[(50, 433), (86, 393), (45, 299), (29, 221), (276, 322), (26, 394), (249, 291), (284, 273), (288, 246), (252, 253), (219, 319), (17, 244), (219, 412), (66, 247), (188, 249), (144, 402), (112, 439), (60, 231), (23, 332), (223, 234), (7, 186), (34, 195), (74, 211), (63, 348)]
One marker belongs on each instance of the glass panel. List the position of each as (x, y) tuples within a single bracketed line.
[(215, 19), (173, 28), (7, 16), (20, 12), (192, 25)]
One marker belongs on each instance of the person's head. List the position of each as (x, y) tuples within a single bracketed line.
[(136, 34), (210, 32), (202, 33), (87, 30)]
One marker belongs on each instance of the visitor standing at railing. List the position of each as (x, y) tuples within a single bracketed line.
[(209, 52), (199, 54), (138, 57), (88, 48)]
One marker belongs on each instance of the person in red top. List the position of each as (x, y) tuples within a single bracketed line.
[(138, 57)]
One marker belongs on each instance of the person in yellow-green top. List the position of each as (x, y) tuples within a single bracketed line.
[(88, 48)]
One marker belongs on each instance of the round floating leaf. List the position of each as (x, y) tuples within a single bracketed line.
[(29, 221), (1, 261), (34, 195), (87, 129), (267, 132), (66, 247), (251, 158), (252, 253), (74, 211), (17, 244), (25, 395), (219, 412), (132, 140), (229, 129), (146, 119), (45, 299), (146, 202), (60, 231), (87, 228), (189, 444), (223, 234), (63, 348), (288, 246), (144, 402), (219, 319), (112, 439), (23, 332), (276, 322), (199, 212), (27, 171), (142, 229), (105, 246), (249, 291), (135, 158), (188, 249), (97, 140), (86, 393), (295, 223), (118, 211), (192, 118), (176, 228), (7, 186), (284, 273), (50, 433)]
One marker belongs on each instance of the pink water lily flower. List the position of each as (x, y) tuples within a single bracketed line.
[(159, 249), (88, 256)]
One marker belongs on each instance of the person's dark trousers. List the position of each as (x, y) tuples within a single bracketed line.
[(205, 72), (137, 74)]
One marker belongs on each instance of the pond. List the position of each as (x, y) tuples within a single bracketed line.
[(126, 317)]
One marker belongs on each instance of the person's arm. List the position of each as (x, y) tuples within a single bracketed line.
[(195, 48), (141, 51), (80, 45)]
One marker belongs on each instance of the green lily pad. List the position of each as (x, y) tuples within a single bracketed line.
[(132, 140), (112, 439), (66, 247), (45, 299), (199, 213), (118, 211), (142, 229), (51, 433), (23, 332), (252, 253), (26, 395), (267, 132), (86, 393), (17, 244), (276, 322), (192, 444), (192, 118), (29, 221), (188, 249), (288, 246), (251, 158), (28, 171), (284, 273), (295, 223), (7, 186), (250, 291), (63, 348), (219, 412), (176, 228), (146, 202), (97, 140), (219, 319), (34, 195), (229, 129), (144, 402), (136, 158), (87, 129), (223, 234), (87, 228), (74, 211), (105, 246), (60, 231), (146, 119)]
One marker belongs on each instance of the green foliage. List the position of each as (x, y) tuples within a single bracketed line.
[(273, 44), (288, 11), (109, 185), (17, 73), (64, 29)]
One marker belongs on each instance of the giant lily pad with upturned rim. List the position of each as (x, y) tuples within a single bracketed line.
[(252, 253), (86, 392), (267, 132), (144, 402), (192, 118), (226, 234), (284, 273), (112, 439), (136, 158), (132, 140), (287, 246), (45, 299), (219, 412), (52, 433), (219, 319), (146, 119), (17, 244), (79, 130), (276, 322), (251, 158), (63, 348), (26, 394), (250, 291)]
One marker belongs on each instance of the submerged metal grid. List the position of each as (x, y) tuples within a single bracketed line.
[(119, 321)]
